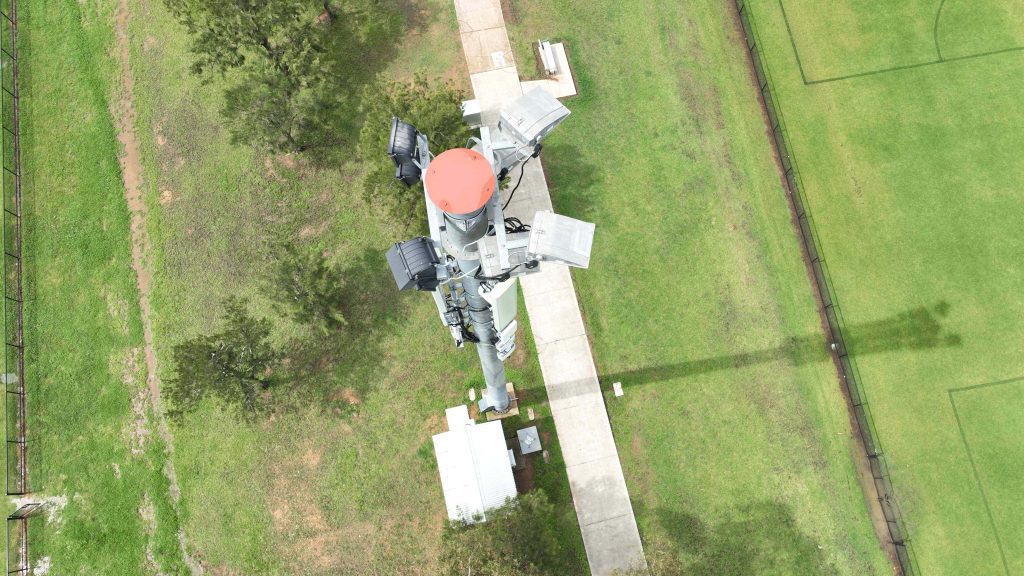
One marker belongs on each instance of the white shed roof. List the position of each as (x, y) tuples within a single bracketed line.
[(473, 462)]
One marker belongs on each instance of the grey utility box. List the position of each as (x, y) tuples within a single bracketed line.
[(529, 440), (471, 113)]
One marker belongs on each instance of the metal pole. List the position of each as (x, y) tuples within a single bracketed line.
[(462, 231)]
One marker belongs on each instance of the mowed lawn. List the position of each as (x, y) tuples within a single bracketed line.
[(913, 178), (733, 433)]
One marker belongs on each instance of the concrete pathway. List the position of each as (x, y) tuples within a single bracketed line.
[(591, 459)]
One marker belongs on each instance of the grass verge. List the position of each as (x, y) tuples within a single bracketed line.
[(733, 432)]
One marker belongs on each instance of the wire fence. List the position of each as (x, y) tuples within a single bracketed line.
[(14, 358), (18, 524), (13, 377), (849, 373)]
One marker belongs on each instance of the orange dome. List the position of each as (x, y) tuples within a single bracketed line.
[(459, 181)]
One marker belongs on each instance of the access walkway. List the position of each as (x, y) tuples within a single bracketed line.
[(591, 458)]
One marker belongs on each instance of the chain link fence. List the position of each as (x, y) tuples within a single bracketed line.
[(849, 373)]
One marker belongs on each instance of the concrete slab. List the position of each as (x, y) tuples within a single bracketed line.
[(573, 393), (479, 14), (562, 320), (614, 542), (487, 50), (598, 496), (532, 194), (586, 440), (496, 87), (551, 278), (560, 85), (569, 359), (513, 409)]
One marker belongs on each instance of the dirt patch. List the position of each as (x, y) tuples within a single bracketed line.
[(307, 539), (510, 11), (268, 164), (166, 197), (224, 571), (432, 425), (127, 368), (42, 567), (288, 161), (123, 114), (312, 231), (518, 358), (348, 395), (148, 514), (312, 456), (52, 506)]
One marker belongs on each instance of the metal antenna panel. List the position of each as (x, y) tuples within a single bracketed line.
[(561, 239), (529, 118)]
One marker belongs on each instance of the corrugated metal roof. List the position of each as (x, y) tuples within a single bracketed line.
[(473, 462), (457, 416)]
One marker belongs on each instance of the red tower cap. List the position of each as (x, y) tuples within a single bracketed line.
[(460, 181)]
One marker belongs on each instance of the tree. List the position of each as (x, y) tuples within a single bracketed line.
[(309, 287), (235, 366), (518, 539), (435, 110), (285, 63), (277, 51)]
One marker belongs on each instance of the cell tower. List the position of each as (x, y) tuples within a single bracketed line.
[(472, 260)]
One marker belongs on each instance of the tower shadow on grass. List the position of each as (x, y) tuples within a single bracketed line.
[(763, 539), (915, 329)]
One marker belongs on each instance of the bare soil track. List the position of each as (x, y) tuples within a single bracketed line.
[(123, 115)]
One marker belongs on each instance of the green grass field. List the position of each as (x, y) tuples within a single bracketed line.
[(906, 126), (87, 384), (733, 433)]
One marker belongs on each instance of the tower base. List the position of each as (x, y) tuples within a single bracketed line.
[(513, 405)]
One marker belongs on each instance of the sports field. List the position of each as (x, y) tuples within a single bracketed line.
[(734, 437), (907, 129)]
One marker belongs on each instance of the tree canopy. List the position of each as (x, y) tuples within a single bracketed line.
[(309, 288), (287, 64), (435, 109), (518, 539), (235, 365)]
